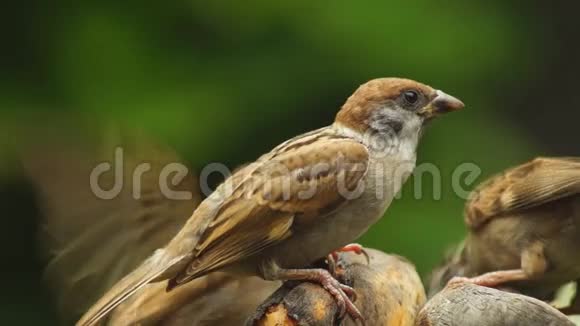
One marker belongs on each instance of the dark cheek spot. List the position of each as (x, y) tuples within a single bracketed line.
[(395, 125), (388, 123)]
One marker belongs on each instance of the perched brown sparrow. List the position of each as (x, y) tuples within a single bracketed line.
[(388, 288), (307, 197), (524, 230)]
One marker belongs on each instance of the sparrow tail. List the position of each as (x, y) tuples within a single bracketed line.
[(148, 272)]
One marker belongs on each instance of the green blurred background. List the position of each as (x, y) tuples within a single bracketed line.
[(225, 81)]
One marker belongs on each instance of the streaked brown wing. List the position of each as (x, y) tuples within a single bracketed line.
[(90, 243), (292, 186), (255, 208), (529, 185)]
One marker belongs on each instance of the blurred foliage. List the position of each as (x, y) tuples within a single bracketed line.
[(225, 81)]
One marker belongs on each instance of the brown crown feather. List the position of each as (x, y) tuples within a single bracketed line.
[(358, 107)]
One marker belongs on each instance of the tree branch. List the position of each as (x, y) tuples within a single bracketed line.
[(471, 305), (389, 292)]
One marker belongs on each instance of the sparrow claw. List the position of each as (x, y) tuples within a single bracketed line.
[(353, 247), (349, 291), (341, 294), (332, 266), (492, 279), (332, 260), (457, 280), (271, 271)]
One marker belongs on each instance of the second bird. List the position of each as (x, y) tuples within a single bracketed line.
[(524, 230)]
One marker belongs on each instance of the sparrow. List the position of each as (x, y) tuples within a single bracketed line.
[(389, 289), (307, 197), (523, 230)]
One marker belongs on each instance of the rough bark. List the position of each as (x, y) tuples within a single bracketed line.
[(471, 305), (389, 292)]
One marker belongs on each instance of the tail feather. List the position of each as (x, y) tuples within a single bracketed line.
[(149, 271)]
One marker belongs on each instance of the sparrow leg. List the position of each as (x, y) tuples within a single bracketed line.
[(492, 279), (272, 272), (533, 264), (336, 269)]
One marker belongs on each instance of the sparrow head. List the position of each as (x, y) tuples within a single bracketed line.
[(394, 104)]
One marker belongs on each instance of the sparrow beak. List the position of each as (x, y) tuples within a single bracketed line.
[(442, 103)]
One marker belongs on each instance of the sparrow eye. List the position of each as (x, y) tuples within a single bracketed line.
[(411, 97)]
